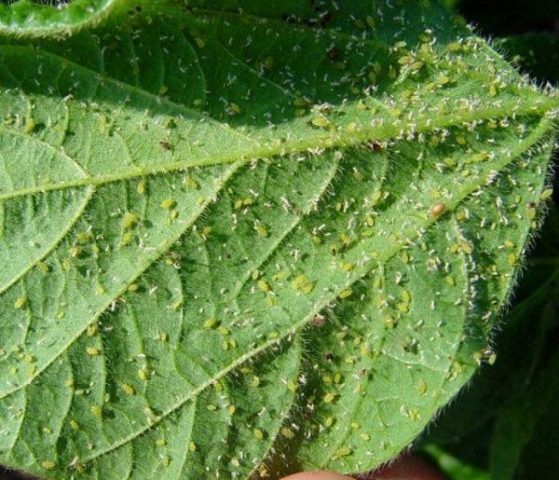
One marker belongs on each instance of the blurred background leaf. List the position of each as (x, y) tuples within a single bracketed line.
[(502, 18), (455, 467), (531, 419), (534, 53)]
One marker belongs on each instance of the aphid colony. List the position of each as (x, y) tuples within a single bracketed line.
[(318, 226)]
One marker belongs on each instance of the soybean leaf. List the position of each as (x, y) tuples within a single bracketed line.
[(454, 467), (40, 18), (524, 329), (467, 428), (226, 228)]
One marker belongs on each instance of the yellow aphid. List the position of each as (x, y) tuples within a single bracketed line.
[(20, 302), (320, 122), (302, 284), (96, 410), (129, 220), (48, 464), (93, 351), (128, 389), (168, 203), (264, 286)]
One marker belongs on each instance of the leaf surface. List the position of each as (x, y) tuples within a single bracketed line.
[(505, 408), (40, 18), (241, 228)]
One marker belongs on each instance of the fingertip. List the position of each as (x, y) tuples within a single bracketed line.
[(317, 476), (407, 467)]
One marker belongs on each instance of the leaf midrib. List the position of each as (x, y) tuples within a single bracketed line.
[(329, 140), (258, 150), (532, 140)]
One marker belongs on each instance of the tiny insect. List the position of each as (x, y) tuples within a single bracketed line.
[(438, 209), (319, 320), (374, 146)]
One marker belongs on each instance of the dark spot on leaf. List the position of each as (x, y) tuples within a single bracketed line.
[(334, 54)]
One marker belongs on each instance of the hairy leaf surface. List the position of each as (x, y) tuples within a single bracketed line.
[(39, 18), (236, 232)]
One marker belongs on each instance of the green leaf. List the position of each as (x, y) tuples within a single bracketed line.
[(467, 430), (228, 230), (451, 4), (524, 329), (35, 18), (455, 468)]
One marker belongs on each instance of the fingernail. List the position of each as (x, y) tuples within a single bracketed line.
[(317, 476)]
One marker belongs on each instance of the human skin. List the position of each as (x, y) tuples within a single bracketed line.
[(405, 468)]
